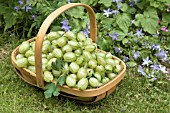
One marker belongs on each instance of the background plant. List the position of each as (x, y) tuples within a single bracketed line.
[(137, 31)]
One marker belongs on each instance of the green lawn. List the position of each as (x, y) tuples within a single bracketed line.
[(134, 94)]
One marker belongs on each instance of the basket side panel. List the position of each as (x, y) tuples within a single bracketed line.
[(26, 76), (85, 100), (78, 98), (111, 90), (22, 72)]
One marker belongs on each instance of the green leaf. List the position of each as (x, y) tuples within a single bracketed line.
[(104, 44), (98, 16), (124, 6), (168, 1), (166, 17), (148, 20), (75, 23), (30, 30), (88, 2), (124, 41), (163, 1), (149, 25), (3, 8), (61, 3), (137, 21), (10, 20), (61, 80), (150, 13), (131, 10), (131, 64), (58, 65), (51, 89), (56, 92), (107, 21), (77, 12), (48, 94), (155, 4), (84, 22), (142, 4), (169, 46), (55, 28), (121, 34), (107, 3), (123, 21), (158, 4)]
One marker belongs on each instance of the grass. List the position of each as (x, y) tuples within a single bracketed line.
[(134, 94)]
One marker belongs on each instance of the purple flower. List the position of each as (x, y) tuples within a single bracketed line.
[(16, 8), (162, 39), (132, 2), (118, 6), (162, 54), (107, 12), (151, 74), (154, 79), (125, 59), (129, 42), (86, 32), (144, 44), (146, 61), (65, 22), (140, 70), (66, 28), (65, 25), (33, 17), (114, 36), (118, 50), (115, 12), (136, 54), (139, 33), (88, 25), (163, 69), (156, 47), (69, 1), (147, 45), (27, 8), (117, 1), (136, 41), (155, 66), (155, 35), (20, 2), (127, 64)]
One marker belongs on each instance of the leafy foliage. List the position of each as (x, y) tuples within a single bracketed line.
[(149, 20), (58, 65), (123, 21), (106, 3), (51, 89), (77, 12), (61, 80)]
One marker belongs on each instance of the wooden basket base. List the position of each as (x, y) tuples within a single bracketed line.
[(85, 100)]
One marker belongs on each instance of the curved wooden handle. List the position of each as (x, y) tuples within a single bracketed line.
[(43, 29)]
